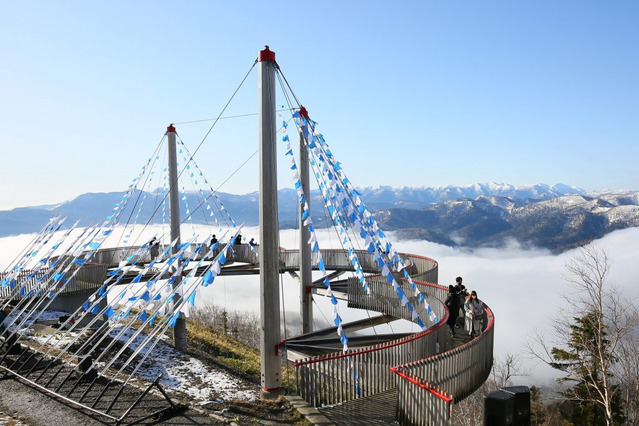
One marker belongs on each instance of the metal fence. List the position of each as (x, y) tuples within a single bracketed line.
[(427, 388), (429, 382), (334, 259), (29, 284), (338, 377)]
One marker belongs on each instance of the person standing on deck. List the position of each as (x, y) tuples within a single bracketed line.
[(452, 302), (474, 314)]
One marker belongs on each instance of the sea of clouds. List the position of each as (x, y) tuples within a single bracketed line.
[(523, 287)]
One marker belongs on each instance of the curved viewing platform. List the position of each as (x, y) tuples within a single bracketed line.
[(426, 370)]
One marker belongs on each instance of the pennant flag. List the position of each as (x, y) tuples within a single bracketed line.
[(109, 312), (208, 278), (191, 299)]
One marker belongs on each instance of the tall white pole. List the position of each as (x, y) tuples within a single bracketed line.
[(179, 331), (269, 230), (306, 277)]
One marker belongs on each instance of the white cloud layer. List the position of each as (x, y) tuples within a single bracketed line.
[(523, 287)]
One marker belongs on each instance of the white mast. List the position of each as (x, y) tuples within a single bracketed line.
[(269, 230), (179, 331), (306, 278)]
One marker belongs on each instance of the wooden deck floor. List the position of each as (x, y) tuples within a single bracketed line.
[(373, 410)]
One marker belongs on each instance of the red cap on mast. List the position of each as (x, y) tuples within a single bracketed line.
[(303, 112), (266, 55), (170, 129)]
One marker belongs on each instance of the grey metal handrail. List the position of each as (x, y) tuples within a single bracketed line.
[(427, 388)]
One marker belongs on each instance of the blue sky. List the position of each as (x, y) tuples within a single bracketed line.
[(419, 93)]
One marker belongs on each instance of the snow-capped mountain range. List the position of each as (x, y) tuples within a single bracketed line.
[(557, 223), (551, 216)]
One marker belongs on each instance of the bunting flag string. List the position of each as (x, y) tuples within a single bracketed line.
[(195, 180), (213, 192), (333, 197), (169, 318), (40, 241), (164, 193), (155, 299), (57, 283), (92, 304), (154, 340), (42, 279), (340, 195), (313, 242)]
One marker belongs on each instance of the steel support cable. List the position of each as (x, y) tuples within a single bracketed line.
[(155, 336), (222, 184), (279, 71), (345, 224), (34, 304), (33, 242), (320, 311), (216, 190), (144, 171), (221, 112), (224, 118), (213, 191), (202, 141), (99, 333), (194, 180)]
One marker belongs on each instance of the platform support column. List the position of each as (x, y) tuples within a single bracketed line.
[(179, 330), (271, 369), (306, 277)]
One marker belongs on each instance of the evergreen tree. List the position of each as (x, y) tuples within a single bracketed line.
[(588, 350), (593, 339)]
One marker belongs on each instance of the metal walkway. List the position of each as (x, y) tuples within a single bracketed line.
[(381, 408)]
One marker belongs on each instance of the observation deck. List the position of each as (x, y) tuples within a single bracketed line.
[(414, 378)]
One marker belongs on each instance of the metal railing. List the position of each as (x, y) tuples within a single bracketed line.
[(427, 388), (29, 284), (429, 382), (338, 377)]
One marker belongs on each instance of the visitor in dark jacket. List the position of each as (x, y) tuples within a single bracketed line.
[(452, 302)]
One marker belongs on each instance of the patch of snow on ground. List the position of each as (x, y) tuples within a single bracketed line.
[(185, 374), (59, 340)]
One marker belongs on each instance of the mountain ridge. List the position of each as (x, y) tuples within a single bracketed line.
[(556, 216)]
